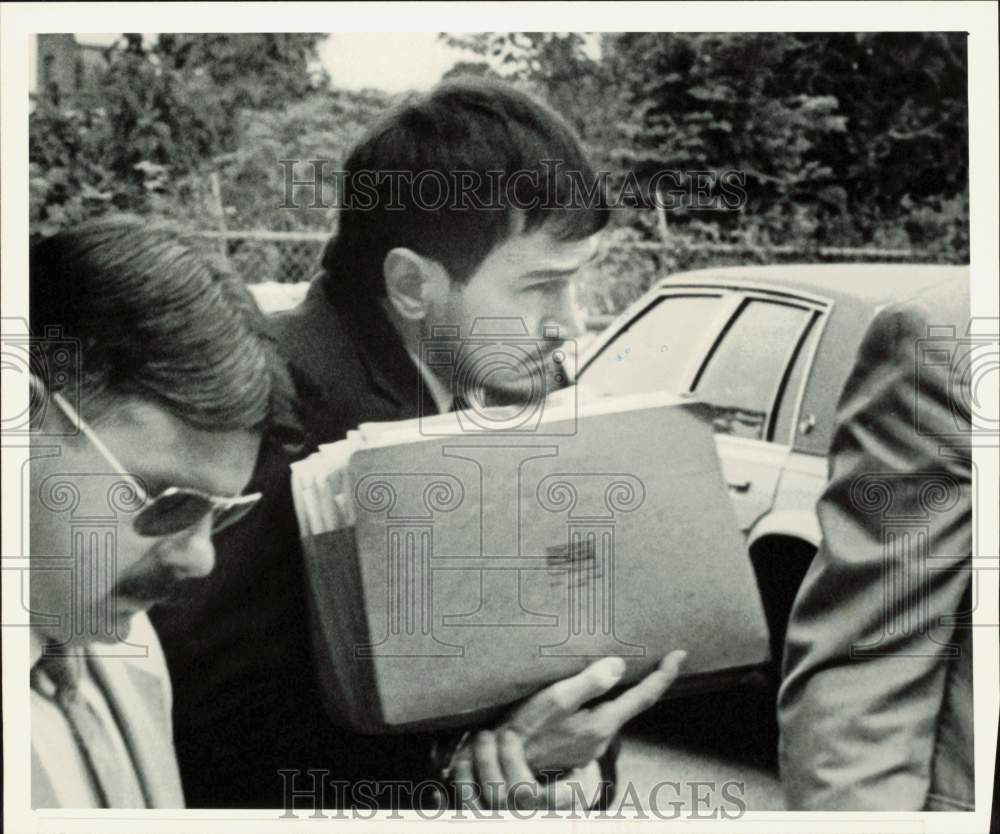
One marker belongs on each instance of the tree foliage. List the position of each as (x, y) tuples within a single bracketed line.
[(165, 110), (562, 68), (306, 140), (843, 138)]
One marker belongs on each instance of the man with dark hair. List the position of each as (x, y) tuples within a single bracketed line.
[(510, 167), (151, 386), (503, 245)]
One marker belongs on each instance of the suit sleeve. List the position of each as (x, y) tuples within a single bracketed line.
[(867, 648)]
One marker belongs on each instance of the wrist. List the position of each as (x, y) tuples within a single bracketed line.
[(581, 787)]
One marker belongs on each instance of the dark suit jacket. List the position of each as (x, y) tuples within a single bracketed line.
[(246, 699), (875, 707)]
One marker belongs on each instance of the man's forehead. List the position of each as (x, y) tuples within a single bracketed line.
[(154, 443), (539, 251)]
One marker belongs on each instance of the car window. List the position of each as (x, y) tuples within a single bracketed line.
[(655, 350), (741, 378), (793, 386)]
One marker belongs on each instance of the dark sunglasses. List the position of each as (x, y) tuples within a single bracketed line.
[(176, 509)]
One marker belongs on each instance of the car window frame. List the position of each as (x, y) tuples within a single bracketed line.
[(743, 296), (824, 313), (733, 289), (728, 303)]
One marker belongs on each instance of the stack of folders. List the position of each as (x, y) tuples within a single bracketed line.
[(462, 562)]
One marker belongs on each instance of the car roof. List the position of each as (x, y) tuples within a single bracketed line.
[(873, 284)]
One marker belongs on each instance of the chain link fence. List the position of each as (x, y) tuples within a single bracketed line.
[(621, 274)]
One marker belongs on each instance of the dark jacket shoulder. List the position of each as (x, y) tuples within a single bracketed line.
[(353, 358)]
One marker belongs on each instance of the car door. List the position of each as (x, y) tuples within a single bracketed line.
[(741, 381)]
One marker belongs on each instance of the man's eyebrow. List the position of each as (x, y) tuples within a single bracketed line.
[(156, 480), (561, 273), (153, 485)]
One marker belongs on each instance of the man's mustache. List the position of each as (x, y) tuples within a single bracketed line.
[(157, 584)]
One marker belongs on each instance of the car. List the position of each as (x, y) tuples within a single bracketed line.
[(273, 297), (767, 349)]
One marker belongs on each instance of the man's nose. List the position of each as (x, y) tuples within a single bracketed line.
[(191, 554), (565, 320)]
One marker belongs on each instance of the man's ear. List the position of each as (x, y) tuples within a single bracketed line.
[(413, 283)]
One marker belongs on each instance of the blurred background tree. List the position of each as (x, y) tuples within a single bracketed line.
[(840, 135), (166, 109), (843, 139)]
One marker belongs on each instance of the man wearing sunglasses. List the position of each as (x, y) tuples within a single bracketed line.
[(151, 389)]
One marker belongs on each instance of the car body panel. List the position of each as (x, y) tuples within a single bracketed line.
[(793, 513), (800, 525), (775, 485), (752, 470)]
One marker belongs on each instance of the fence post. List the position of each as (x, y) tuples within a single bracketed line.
[(219, 211), (661, 225)]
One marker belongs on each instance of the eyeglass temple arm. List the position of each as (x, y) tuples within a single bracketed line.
[(75, 419), (236, 500)]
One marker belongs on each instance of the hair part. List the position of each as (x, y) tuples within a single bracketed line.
[(465, 125), (147, 310)]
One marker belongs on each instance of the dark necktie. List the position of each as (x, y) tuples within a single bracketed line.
[(116, 780)]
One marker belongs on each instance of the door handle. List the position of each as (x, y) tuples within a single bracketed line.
[(742, 486)]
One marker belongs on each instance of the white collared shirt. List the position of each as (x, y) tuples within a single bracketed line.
[(54, 746), (443, 398)]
